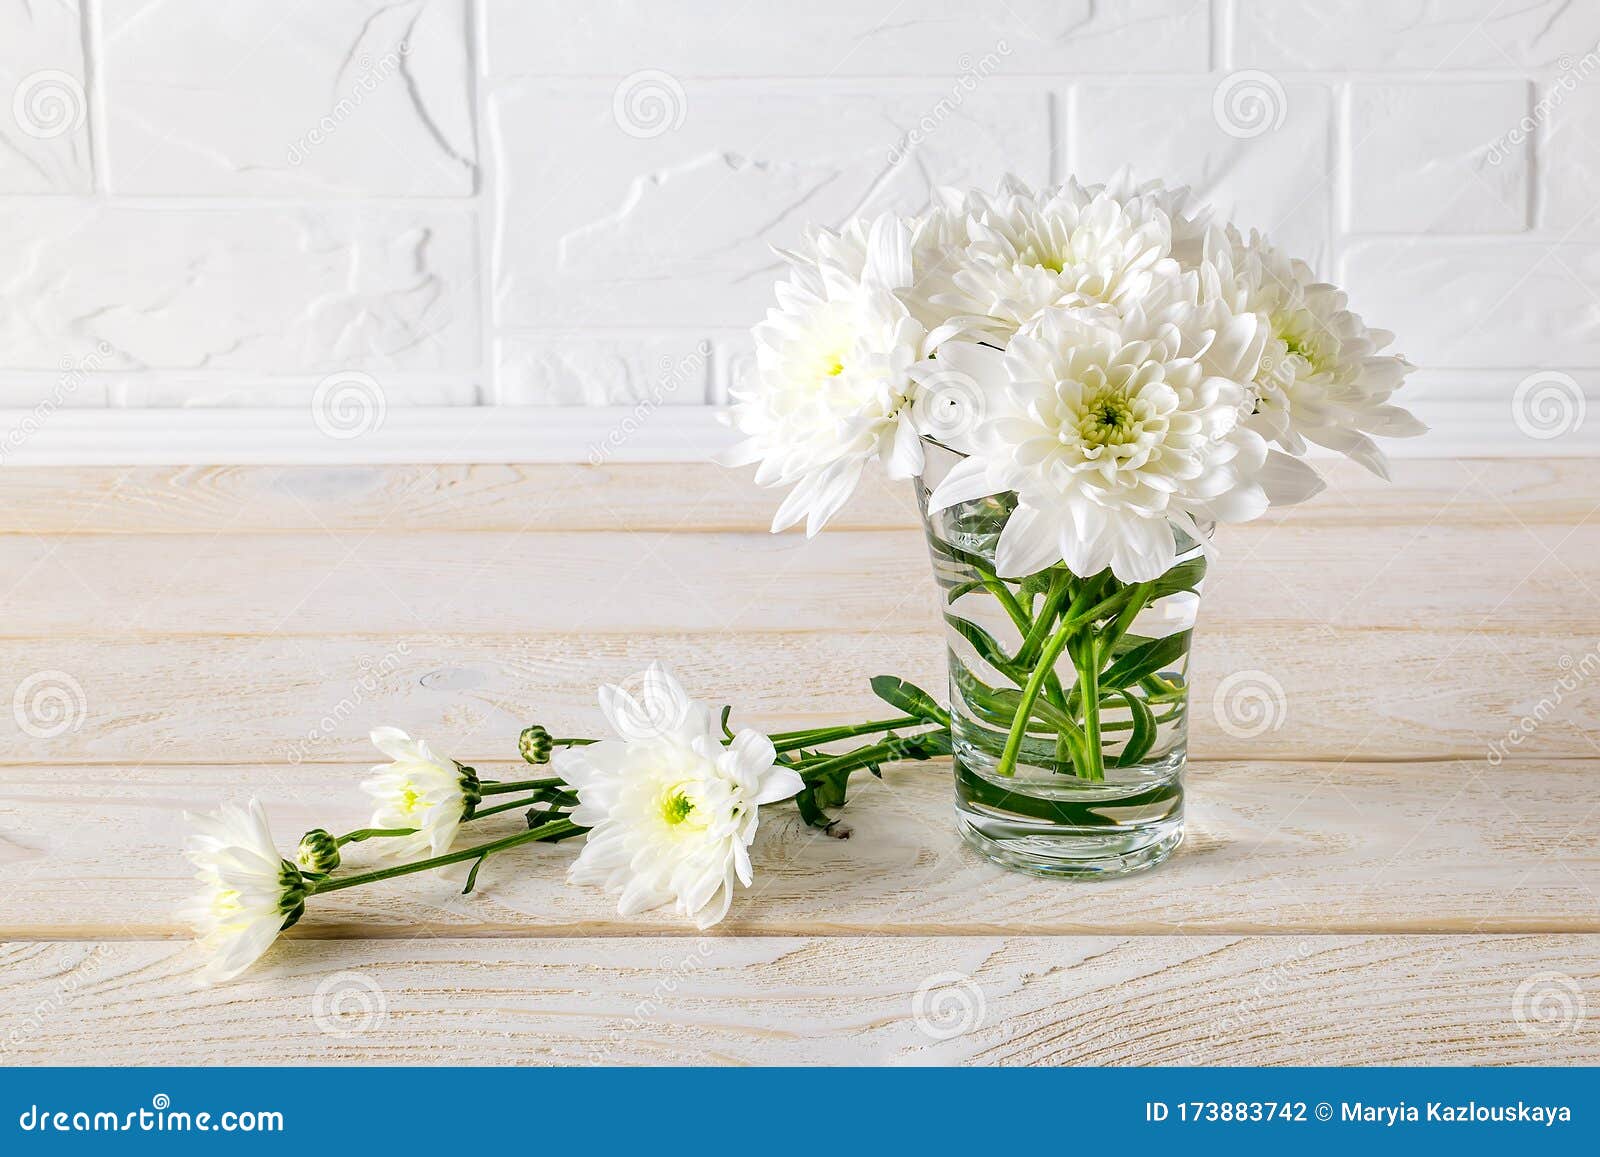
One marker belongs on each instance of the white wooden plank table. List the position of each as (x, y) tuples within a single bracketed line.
[(1360, 883)]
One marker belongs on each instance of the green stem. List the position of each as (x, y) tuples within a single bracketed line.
[(1019, 617), (900, 747), (547, 831), (1158, 720), (500, 788), (1086, 658), (513, 805), (1060, 588), (360, 834), (791, 740), (1042, 670)]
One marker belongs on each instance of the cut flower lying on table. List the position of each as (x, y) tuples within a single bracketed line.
[(667, 806)]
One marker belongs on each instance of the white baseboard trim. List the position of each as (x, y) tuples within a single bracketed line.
[(466, 434)]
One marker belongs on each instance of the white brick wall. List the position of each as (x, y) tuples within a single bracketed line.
[(214, 204)]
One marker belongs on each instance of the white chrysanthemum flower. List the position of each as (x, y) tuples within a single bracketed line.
[(1322, 376), (249, 894), (1107, 430), (671, 810), (989, 265), (418, 790), (833, 362)]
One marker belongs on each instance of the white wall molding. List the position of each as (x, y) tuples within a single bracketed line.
[(544, 434)]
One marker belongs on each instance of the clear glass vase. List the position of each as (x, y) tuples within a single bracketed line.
[(1068, 698)]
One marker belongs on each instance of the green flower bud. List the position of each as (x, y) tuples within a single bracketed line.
[(318, 852), (292, 894), (471, 789), (535, 744)]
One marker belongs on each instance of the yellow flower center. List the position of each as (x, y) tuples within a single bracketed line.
[(675, 808), (1108, 417), (1301, 336), (1045, 256)]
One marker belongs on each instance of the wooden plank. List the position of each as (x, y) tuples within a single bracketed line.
[(249, 499), (1345, 694), (92, 853), (576, 583), (1442, 580), (799, 1000)]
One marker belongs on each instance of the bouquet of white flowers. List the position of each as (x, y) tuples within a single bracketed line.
[(1084, 381)]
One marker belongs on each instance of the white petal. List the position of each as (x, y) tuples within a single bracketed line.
[(967, 481), (1288, 480), (905, 459), (393, 742), (889, 253), (1028, 544), (780, 784)]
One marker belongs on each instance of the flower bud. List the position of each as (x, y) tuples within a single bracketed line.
[(318, 852), (535, 744), (471, 789), (292, 890)]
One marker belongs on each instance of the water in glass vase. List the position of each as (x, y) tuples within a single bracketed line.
[(1069, 698)]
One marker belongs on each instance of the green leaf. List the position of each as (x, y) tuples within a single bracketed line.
[(986, 703), (828, 786), (811, 810), (1144, 731), (910, 698), (987, 646), (1185, 576), (963, 589), (924, 745), (1127, 643), (1143, 660), (826, 790), (1044, 711), (955, 554), (1039, 582)]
